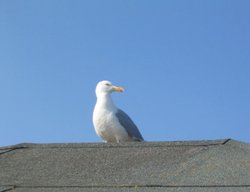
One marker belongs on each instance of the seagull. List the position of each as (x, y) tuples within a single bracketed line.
[(111, 123)]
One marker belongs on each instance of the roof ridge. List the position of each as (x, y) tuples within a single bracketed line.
[(226, 141), (125, 186), (119, 145)]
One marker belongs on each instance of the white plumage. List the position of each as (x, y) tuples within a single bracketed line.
[(111, 123)]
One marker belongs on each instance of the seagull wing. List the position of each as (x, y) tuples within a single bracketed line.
[(129, 125)]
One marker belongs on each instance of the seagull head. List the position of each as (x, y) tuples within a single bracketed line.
[(107, 87)]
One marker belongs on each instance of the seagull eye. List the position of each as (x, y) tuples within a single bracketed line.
[(108, 84)]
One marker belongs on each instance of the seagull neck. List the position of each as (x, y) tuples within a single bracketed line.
[(105, 100)]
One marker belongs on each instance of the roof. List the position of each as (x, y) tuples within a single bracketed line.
[(219, 165)]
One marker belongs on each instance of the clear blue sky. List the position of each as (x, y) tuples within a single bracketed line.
[(185, 66)]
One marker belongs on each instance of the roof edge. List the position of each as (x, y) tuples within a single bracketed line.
[(121, 145)]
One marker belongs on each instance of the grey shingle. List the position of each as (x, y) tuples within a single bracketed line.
[(5, 188), (136, 189), (220, 165), (4, 151)]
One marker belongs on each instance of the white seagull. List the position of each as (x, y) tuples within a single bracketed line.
[(110, 122)]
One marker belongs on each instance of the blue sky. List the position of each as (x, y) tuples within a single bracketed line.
[(185, 66)]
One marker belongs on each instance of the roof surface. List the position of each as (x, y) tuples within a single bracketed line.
[(220, 165)]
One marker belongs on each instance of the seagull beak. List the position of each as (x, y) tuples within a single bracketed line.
[(118, 89)]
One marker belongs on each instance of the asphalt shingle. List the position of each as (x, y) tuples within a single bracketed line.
[(221, 165), (135, 189)]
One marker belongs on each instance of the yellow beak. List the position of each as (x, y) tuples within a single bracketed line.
[(118, 89)]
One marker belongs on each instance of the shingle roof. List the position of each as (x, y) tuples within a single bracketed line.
[(220, 165)]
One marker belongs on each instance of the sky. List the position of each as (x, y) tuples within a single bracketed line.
[(185, 66)]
